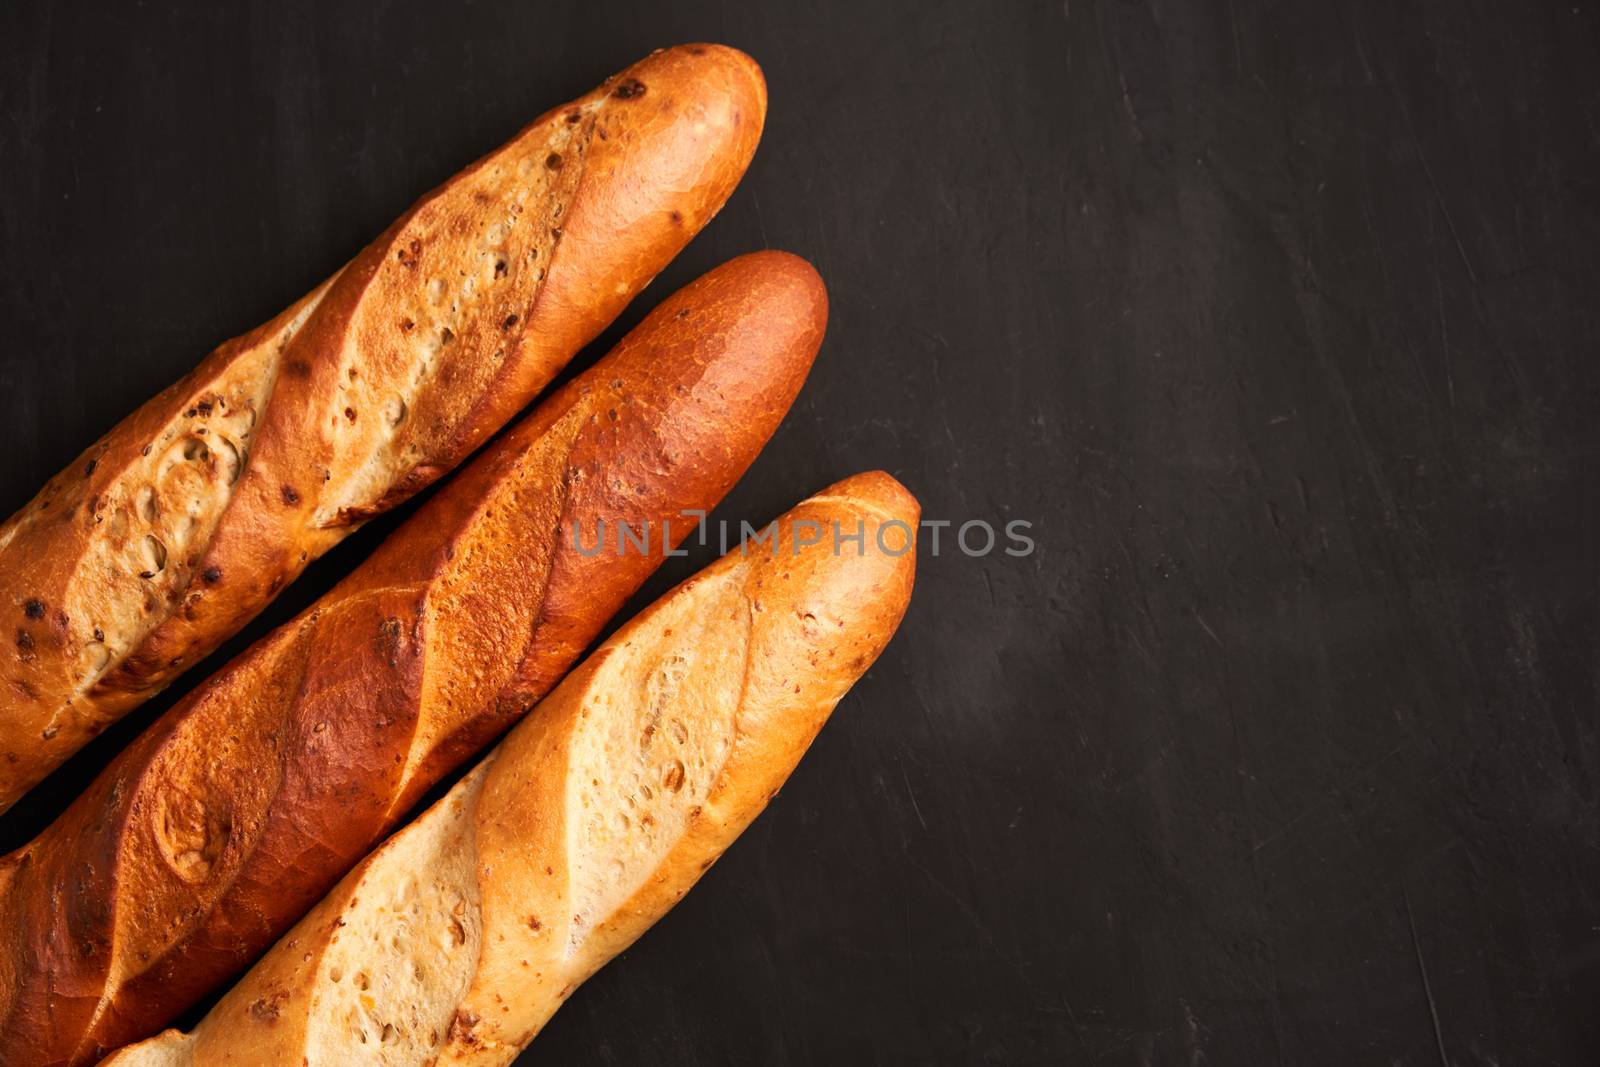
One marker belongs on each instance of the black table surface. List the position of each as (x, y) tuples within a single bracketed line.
[(1276, 320)]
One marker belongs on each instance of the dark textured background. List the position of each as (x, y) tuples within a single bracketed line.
[(1277, 319)]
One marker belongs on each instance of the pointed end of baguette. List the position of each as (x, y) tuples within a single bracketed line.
[(789, 281), (717, 69), (880, 491), (886, 554), (777, 293)]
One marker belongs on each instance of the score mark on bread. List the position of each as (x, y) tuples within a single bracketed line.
[(457, 940), (366, 391)]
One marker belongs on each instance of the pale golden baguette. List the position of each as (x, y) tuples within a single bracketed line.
[(232, 815), (458, 939), (182, 523)]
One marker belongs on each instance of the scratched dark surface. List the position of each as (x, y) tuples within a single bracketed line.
[(1277, 319)]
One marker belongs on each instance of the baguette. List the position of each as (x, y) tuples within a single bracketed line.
[(238, 809), (458, 939), (182, 523)]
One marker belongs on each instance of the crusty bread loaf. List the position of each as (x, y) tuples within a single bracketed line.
[(184, 521), (458, 939), (235, 812)]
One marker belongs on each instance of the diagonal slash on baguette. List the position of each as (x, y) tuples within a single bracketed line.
[(228, 818), (459, 938), (182, 523)]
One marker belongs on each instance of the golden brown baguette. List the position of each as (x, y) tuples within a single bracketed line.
[(183, 522), (238, 809), (457, 940)]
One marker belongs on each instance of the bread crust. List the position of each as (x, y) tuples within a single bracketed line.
[(182, 523), (458, 939), (238, 809)]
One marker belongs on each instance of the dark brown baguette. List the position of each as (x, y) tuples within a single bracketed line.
[(237, 810), (458, 939), (183, 522)]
